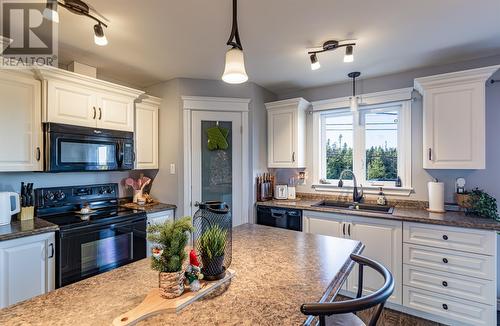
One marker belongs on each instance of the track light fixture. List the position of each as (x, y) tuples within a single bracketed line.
[(80, 8), (314, 62), (330, 46), (234, 71)]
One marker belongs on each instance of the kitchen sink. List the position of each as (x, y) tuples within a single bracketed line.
[(355, 206)]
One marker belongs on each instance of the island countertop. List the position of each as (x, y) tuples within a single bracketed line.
[(276, 271)]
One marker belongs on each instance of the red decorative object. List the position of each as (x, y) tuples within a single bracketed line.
[(193, 259)]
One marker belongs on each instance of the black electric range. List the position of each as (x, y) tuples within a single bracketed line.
[(95, 234)]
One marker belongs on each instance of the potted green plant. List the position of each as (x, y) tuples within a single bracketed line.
[(170, 240), (212, 244), (482, 204)]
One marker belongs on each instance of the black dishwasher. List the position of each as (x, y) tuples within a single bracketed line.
[(285, 218)]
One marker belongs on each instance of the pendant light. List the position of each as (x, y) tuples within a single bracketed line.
[(234, 71), (354, 99), (50, 11), (99, 37)]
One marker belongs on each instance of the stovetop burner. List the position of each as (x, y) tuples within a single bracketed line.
[(103, 215), (63, 205)]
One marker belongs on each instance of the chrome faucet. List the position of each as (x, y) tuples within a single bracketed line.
[(357, 196)]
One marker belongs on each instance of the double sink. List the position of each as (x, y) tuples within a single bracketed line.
[(355, 206)]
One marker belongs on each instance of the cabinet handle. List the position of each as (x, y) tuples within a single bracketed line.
[(95, 112), (100, 113), (445, 306), (293, 157), (38, 154), (51, 250), (430, 154), (349, 229), (445, 284), (343, 228), (445, 260), (445, 237)]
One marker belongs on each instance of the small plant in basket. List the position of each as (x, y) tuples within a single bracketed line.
[(212, 245), (169, 254)]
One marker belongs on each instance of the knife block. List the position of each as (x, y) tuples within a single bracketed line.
[(27, 213)]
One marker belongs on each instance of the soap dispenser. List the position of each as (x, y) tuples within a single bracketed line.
[(381, 200)]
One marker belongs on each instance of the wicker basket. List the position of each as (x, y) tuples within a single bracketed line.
[(463, 200), (171, 284)]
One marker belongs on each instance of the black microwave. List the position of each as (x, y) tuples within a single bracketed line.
[(72, 148)]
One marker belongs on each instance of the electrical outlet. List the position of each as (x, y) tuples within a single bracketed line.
[(172, 168)]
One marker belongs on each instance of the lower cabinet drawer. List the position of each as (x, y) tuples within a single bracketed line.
[(463, 287), (451, 261), (454, 309)]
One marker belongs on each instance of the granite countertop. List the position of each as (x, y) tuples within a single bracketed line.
[(154, 208), (449, 218), (276, 271), (18, 229)]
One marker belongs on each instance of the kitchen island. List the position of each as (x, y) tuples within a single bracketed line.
[(277, 270)]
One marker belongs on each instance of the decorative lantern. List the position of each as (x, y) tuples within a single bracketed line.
[(212, 238)]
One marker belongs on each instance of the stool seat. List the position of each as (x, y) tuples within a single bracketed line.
[(349, 319)]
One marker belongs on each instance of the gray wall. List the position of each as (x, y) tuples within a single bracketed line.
[(170, 188), (488, 179)]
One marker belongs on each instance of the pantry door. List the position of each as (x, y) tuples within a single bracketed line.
[(217, 164)]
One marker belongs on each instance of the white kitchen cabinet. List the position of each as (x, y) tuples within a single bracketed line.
[(454, 119), (158, 218), (146, 133), (21, 122), (286, 122), (79, 100), (27, 268), (71, 104), (115, 112), (382, 240)]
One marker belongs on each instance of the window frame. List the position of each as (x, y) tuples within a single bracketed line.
[(359, 151)]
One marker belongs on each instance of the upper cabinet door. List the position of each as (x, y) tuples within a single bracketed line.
[(454, 119), (84, 101), (286, 133), (115, 112), (21, 122), (146, 133), (71, 104)]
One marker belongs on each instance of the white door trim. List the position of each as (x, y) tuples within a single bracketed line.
[(222, 104)]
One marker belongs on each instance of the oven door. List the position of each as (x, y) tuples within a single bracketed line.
[(91, 250)]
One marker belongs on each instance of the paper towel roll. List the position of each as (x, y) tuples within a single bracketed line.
[(436, 196)]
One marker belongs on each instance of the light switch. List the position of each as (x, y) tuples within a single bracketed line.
[(172, 168)]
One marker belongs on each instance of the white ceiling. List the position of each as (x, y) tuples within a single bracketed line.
[(156, 40)]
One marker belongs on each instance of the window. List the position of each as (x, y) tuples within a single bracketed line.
[(373, 142)]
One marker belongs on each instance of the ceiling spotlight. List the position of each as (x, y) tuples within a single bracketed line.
[(348, 57), (50, 11), (314, 62), (99, 37), (331, 45), (234, 71)]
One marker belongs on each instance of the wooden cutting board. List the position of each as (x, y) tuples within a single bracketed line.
[(154, 304)]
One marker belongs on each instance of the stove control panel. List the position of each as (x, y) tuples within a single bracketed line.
[(74, 195)]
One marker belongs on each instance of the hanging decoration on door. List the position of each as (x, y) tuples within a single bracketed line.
[(217, 138)]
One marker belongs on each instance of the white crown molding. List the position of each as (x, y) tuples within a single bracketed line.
[(149, 99), (455, 78), (394, 95), (298, 102), (52, 73), (203, 103)]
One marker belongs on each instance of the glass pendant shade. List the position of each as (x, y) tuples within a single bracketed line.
[(234, 72), (100, 40), (354, 104), (51, 15)]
